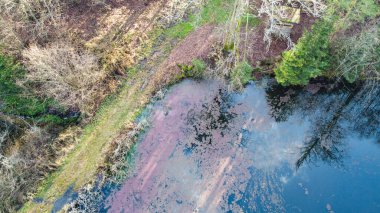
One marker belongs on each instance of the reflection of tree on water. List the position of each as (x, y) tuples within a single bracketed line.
[(335, 114), (230, 155), (214, 117), (262, 193), (325, 143), (365, 114), (218, 134), (282, 101), (326, 138)]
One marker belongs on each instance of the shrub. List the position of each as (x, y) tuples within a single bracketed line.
[(195, 70), (359, 56), (308, 58), (241, 74), (354, 11), (28, 20), (199, 67), (24, 167), (63, 73)]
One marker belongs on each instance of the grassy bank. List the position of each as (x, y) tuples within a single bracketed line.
[(81, 166)]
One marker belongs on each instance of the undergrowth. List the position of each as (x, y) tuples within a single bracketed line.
[(312, 55), (20, 101), (241, 75), (214, 12), (194, 70)]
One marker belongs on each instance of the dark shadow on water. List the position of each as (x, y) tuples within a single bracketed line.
[(336, 111), (213, 116)]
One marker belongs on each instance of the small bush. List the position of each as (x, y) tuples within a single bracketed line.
[(199, 67), (64, 73), (359, 56), (241, 75), (354, 11), (308, 59), (195, 70)]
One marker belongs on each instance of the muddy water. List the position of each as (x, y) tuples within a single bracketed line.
[(265, 149)]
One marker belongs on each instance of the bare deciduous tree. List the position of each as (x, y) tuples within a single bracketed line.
[(359, 56), (275, 11), (231, 41)]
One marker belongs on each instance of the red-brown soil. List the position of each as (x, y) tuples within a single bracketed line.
[(197, 45), (257, 48), (84, 19)]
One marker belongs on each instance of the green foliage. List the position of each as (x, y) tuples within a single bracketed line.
[(56, 120), (358, 56), (214, 11), (308, 59), (185, 69), (180, 30), (241, 74), (132, 71), (199, 67), (228, 48), (15, 100), (351, 11), (194, 70)]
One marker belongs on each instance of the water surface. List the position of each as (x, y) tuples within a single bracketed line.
[(266, 149)]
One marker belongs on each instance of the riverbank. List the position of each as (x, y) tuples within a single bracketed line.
[(83, 163)]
